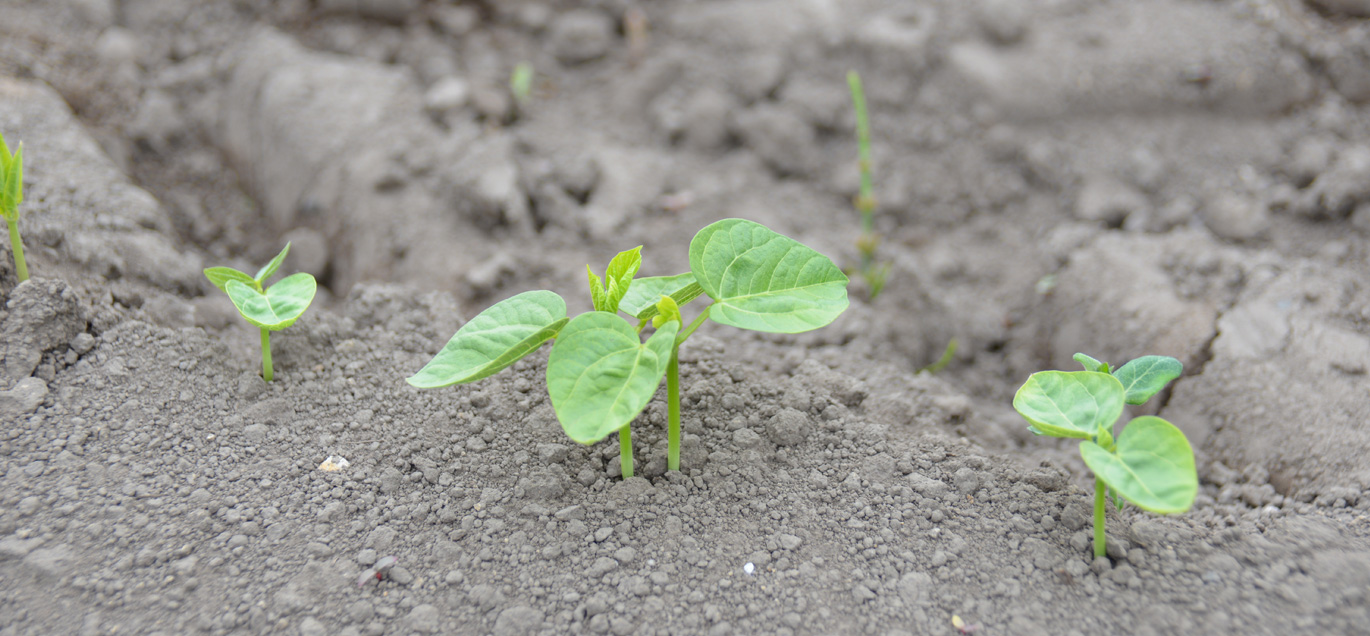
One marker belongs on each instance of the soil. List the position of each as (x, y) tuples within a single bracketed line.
[(1167, 177)]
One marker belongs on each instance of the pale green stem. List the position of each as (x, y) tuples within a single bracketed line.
[(673, 393), (1099, 500), (673, 411), (17, 243), (680, 337), (865, 200), (625, 451), (266, 354)]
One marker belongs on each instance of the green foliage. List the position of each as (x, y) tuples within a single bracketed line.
[(875, 275), (495, 339), (600, 374), (270, 308), (762, 281), (1150, 464), (279, 306), (11, 195), (521, 82), (1146, 376), (11, 180), (1152, 467)]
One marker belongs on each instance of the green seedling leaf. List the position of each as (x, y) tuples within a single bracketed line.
[(641, 300), (598, 296), (279, 307), (1153, 467), (496, 338), (5, 155), (13, 192), (1074, 404), (270, 268), (1146, 376), (221, 275), (666, 311), (600, 375), (618, 277), (763, 281), (1090, 364)]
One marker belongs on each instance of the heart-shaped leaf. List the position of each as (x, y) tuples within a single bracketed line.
[(641, 299), (1153, 467), (1146, 376), (1090, 364), (221, 275), (600, 375), (1070, 404), (763, 281), (496, 338), (279, 307), (270, 268)]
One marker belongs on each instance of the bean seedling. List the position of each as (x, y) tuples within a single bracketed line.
[(11, 195), (1149, 464), (875, 275), (269, 308), (600, 374)]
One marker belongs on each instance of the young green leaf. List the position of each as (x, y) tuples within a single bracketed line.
[(600, 375), (1153, 467), (279, 307), (270, 268), (496, 338), (598, 296), (619, 275), (1146, 376), (641, 299), (1070, 404), (5, 155), (763, 281), (221, 275), (14, 182), (666, 311), (1090, 364)]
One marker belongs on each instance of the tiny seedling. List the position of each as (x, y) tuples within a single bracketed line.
[(11, 195), (876, 275), (600, 374), (270, 308), (1149, 464), (521, 83)]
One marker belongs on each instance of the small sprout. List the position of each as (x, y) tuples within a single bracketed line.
[(378, 571), (521, 83), (874, 274), (962, 626), (11, 195), (334, 464), (1149, 464), (948, 355), (600, 373), (270, 308)]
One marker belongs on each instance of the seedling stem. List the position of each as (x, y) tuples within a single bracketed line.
[(17, 244), (875, 275), (1100, 498), (625, 451), (266, 354)]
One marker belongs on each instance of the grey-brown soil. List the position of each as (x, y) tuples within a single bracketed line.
[(1176, 177)]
